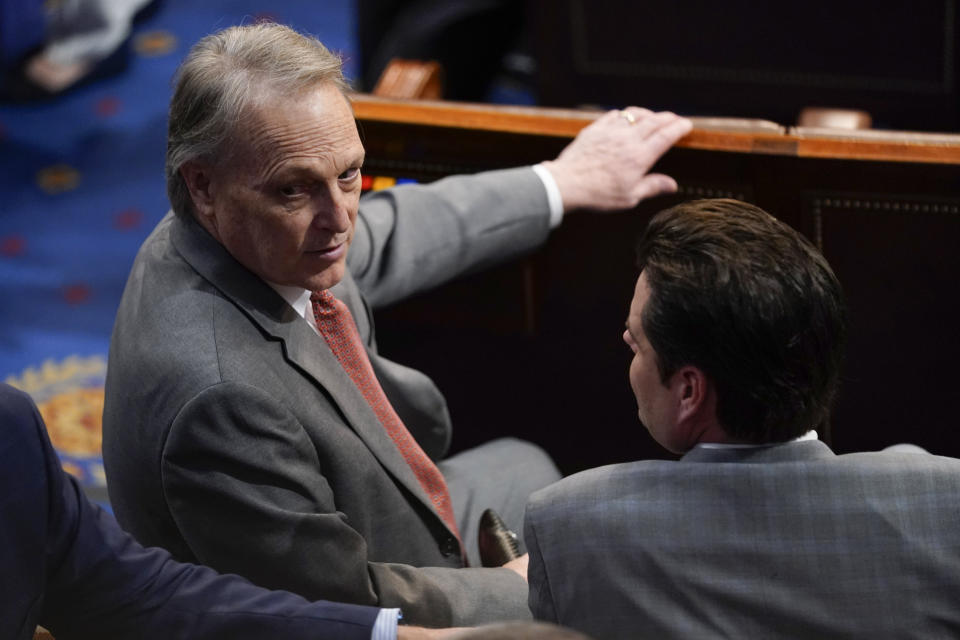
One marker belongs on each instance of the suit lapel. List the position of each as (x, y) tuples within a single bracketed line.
[(310, 353), (304, 349)]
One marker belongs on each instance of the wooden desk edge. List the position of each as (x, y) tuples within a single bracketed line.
[(712, 134)]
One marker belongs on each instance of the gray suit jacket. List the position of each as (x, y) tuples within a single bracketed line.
[(233, 437), (784, 541)]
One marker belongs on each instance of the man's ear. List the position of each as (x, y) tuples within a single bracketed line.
[(696, 406), (196, 176), (693, 394)]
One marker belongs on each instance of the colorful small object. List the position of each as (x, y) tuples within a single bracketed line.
[(108, 106), (69, 395), (78, 293), (383, 182), (58, 178), (128, 219), (12, 246), (154, 43)]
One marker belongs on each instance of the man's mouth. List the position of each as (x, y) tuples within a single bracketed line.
[(332, 252)]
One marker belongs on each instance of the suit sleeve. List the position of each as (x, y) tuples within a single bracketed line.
[(268, 490), (414, 237), (540, 596), (99, 583)]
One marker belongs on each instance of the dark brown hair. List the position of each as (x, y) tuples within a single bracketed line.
[(755, 306)]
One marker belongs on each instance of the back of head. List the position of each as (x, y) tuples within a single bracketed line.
[(223, 76), (751, 303)]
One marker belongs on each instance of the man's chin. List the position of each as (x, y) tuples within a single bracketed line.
[(326, 278)]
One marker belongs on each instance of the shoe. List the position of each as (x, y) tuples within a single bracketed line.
[(498, 545)]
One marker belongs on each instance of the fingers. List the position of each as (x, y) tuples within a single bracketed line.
[(639, 112), (631, 115), (669, 131), (667, 126), (652, 133), (654, 184)]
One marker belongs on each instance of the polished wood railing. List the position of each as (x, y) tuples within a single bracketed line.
[(711, 134)]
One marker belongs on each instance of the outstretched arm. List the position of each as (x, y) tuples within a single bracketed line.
[(414, 237)]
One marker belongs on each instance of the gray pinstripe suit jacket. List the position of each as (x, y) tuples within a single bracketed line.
[(233, 438), (786, 541)]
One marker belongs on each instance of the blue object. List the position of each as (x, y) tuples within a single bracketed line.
[(22, 28)]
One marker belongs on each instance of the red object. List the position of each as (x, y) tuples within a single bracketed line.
[(366, 182), (128, 219), (76, 293), (12, 246), (107, 106), (337, 327)]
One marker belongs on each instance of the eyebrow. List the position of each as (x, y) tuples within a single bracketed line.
[(300, 167), (356, 162)]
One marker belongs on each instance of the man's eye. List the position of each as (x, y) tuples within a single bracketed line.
[(292, 190), (350, 173)]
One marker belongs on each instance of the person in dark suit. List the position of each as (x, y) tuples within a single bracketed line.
[(66, 565), (250, 423), (737, 329)]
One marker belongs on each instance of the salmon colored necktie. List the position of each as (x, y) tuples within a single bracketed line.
[(336, 325)]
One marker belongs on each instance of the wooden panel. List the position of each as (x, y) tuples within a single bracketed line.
[(896, 256), (533, 348), (897, 59), (411, 79)]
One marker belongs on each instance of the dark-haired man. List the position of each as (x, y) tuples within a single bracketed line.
[(737, 331)]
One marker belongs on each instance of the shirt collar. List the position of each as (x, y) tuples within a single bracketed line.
[(809, 435), (298, 298)]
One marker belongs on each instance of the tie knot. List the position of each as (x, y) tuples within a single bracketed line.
[(323, 302)]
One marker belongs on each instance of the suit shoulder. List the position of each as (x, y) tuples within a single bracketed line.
[(593, 485), (912, 467)]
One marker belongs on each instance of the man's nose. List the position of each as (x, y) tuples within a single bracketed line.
[(333, 211)]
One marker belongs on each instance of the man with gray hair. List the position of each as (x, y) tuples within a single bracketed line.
[(249, 422)]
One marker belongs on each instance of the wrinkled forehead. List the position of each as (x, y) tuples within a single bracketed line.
[(266, 92), (315, 120)]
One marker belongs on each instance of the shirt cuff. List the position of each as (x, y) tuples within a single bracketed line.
[(553, 195), (385, 627)]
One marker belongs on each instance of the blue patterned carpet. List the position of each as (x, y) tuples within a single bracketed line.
[(81, 185)]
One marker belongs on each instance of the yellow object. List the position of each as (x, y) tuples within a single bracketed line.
[(383, 182)]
